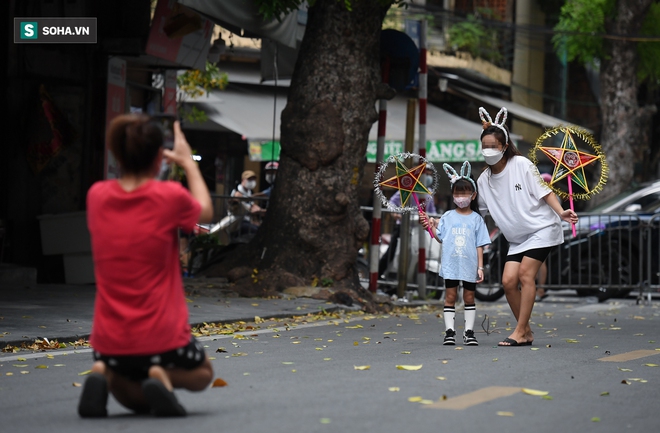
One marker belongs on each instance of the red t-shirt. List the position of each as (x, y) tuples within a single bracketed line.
[(140, 306)]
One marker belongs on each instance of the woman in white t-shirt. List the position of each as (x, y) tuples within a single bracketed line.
[(529, 217)]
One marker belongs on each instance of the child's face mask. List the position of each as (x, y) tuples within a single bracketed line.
[(462, 201)]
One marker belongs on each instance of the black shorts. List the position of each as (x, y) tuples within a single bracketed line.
[(136, 368), (539, 254), (466, 285)]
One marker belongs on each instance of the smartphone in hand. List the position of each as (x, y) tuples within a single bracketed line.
[(166, 123)]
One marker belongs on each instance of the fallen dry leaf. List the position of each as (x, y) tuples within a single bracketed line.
[(217, 383), (534, 392), (502, 413), (77, 385), (409, 367), (393, 389), (415, 399), (651, 365), (362, 367)]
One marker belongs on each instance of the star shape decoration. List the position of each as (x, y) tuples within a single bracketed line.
[(406, 181), (569, 161)]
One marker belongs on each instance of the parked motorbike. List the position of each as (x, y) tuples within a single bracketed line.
[(388, 284)]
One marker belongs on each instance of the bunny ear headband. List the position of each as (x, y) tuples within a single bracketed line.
[(500, 120), (466, 169)]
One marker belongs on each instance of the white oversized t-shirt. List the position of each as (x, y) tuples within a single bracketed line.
[(514, 198)]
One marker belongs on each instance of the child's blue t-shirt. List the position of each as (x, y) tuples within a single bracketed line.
[(460, 236)]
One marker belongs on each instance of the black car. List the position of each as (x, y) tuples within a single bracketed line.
[(616, 249)]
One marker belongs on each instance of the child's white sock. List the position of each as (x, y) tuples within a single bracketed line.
[(470, 315), (449, 316)]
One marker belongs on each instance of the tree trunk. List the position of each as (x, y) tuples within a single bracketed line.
[(625, 125), (314, 227)]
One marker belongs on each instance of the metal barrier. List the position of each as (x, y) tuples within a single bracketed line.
[(612, 253), (610, 256), (432, 258)]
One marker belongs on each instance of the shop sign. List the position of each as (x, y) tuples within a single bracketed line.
[(436, 150), (264, 150)]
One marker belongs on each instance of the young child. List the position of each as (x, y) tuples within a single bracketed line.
[(463, 234)]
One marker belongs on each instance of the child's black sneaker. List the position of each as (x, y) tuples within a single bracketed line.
[(469, 338), (450, 337)]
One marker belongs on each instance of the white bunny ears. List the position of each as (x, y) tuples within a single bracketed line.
[(500, 120), (466, 169)]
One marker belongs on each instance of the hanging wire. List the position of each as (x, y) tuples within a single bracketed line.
[(272, 147)]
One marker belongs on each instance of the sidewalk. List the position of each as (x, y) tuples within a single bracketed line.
[(64, 312)]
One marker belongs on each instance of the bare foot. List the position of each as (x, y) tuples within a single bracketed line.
[(157, 372)]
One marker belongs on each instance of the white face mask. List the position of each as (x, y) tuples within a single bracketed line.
[(251, 184), (492, 156), (462, 201), (270, 178), (427, 180)]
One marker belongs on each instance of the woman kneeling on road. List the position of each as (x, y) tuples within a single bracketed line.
[(143, 347)]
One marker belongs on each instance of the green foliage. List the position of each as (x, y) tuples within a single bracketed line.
[(467, 35), (582, 24), (196, 83), (579, 23), (472, 36), (648, 69)]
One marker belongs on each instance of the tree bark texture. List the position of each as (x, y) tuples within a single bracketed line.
[(314, 227), (625, 124)]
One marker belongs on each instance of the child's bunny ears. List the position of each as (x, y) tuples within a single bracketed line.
[(500, 120), (466, 169)]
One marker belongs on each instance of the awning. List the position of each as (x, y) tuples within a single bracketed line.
[(242, 17), (517, 110), (253, 112), (248, 111)]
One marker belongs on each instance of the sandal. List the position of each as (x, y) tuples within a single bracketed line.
[(513, 343)]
